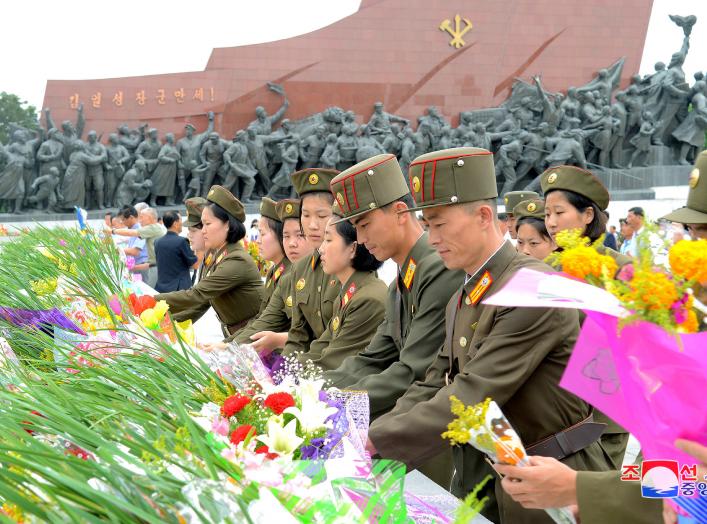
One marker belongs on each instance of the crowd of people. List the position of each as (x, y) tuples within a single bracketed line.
[(427, 336)]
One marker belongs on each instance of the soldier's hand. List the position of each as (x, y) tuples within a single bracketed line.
[(208, 347), (266, 342), (546, 483)]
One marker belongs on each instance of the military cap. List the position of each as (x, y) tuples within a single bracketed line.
[(513, 198), (452, 176), (695, 212), (267, 208), (288, 208), (533, 208), (368, 185), (312, 179), (195, 206), (337, 212), (221, 196), (577, 180)]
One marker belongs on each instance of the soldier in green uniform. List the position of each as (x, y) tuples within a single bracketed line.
[(510, 201), (376, 198), (576, 199), (313, 291), (532, 238), (360, 307), (230, 282), (195, 206), (514, 355)]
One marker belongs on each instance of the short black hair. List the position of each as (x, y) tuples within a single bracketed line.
[(597, 227), (536, 223), (276, 227), (637, 211), (236, 228), (169, 218), (622, 221), (362, 260), (128, 211), (503, 217)]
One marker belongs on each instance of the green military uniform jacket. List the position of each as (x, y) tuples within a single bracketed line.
[(230, 283), (516, 356), (313, 296), (358, 311), (603, 498), (273, 277), (277, 316), (410, 336)]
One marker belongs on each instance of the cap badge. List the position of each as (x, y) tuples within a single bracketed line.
[(211, 193), (694, 178), (552, 178), (532, 207), (416, 184), (289, 209), (313, 179), (261, 206), (505, 200)]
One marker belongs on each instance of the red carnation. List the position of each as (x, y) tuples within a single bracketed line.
[(279, 402), (138, 304), (264, 450), (234, 404), (239, 434)]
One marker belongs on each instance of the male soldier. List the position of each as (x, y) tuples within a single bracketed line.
[(51, 153), (516, 356), (46, 186), (313, 291), (511, 200), (148, 151), (374, 196)]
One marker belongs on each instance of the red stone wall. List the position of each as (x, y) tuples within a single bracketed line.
[(390, 50)]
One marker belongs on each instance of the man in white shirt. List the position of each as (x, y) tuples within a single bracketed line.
[(635, 219)]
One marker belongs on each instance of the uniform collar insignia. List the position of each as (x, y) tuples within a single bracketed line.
[(410, 273), (349, 293)]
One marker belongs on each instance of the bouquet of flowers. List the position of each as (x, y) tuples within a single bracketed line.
[(254, 251), (486, 428)]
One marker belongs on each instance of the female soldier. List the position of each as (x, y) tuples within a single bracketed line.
[(313, 291), (576, 199), (532, 236), (360, 306), (230, 282)]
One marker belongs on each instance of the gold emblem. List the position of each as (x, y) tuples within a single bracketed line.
[(313, 179), (416, 184), (694, 178), (335, 323), (288, 302), (467, 301), (262, 205), (211, 193), (457, 31), (300, 284), (532, 207), (462, 341), (505, 200), (552, 178), (289, 209)]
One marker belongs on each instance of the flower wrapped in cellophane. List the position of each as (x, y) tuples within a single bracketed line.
[(486, 428)]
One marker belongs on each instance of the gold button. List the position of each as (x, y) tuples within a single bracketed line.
[(319, 289), (288, 302), (467, 300), (370, 171), (460, 162), (454, 199), (300, 284), (462, 341)]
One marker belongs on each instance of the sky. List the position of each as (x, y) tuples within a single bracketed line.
[(89, 39)]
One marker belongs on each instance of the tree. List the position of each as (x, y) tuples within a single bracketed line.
[(13, 113)]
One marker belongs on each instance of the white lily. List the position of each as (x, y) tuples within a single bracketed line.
[(313, 413), (281, 440)]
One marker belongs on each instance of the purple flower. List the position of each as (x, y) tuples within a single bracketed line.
[(314, 450), (62, 242)]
